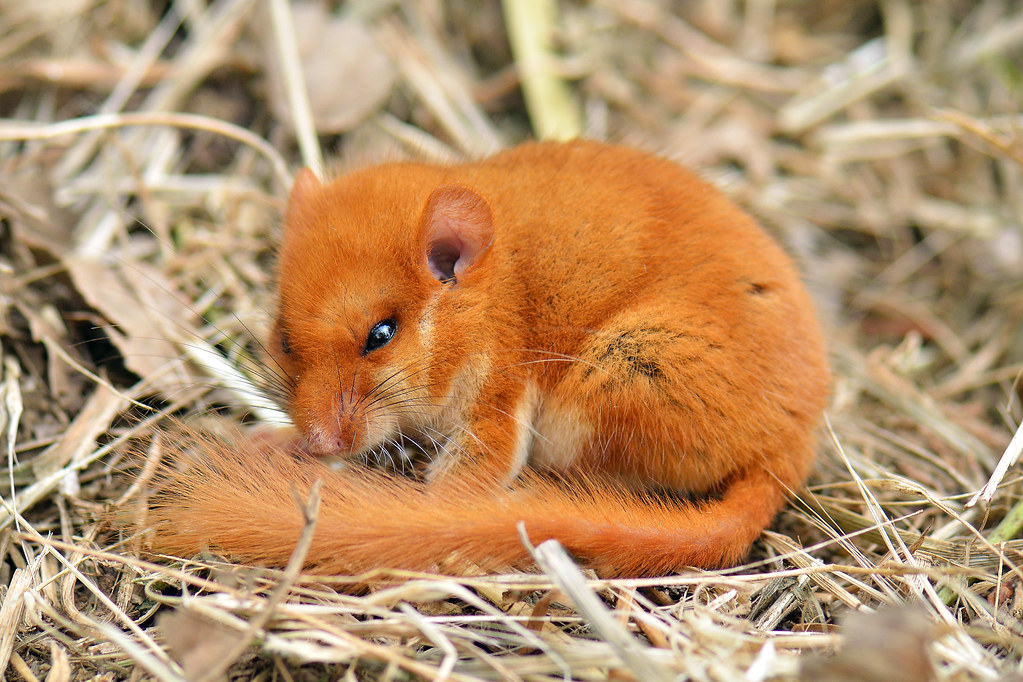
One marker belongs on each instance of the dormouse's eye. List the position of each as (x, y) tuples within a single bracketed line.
[(380, 335), (285, 346)]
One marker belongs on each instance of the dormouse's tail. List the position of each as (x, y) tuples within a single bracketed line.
[(240, 500)]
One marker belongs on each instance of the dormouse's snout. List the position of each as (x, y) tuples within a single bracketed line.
[(327, 442), (328, 423)]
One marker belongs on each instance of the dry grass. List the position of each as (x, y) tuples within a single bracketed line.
[(879, 140)]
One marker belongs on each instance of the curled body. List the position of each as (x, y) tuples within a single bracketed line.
[(581, 337)]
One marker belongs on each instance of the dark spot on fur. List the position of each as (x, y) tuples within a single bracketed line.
[(632, 353), (648, 368)]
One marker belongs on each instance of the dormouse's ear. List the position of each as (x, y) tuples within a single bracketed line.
[(457, 228), (305, 184)]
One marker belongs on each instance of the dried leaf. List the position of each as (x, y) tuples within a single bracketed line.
[(146, 313), (884, 646), (197, 643), (348, 76)]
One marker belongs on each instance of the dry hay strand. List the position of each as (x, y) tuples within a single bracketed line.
[(144, 154)]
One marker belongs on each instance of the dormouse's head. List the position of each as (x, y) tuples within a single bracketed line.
[(368, 266)]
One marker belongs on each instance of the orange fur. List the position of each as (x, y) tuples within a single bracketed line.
[(582, 308)]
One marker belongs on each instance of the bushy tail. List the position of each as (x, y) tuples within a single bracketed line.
[(239, 499)]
